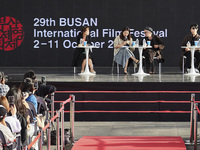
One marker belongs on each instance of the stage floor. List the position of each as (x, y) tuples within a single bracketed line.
[(64, 74), (120, 78)]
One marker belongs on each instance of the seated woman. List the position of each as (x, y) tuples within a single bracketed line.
[(155, 51), (8, 135), (79, 55), (122, 54)]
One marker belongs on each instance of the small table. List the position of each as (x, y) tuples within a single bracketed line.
[(140, 71), (192, 70), (87, 48)]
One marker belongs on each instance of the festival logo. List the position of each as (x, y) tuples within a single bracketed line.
[(11, 33)]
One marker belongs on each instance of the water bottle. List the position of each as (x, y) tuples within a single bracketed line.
[(144, 43), (188, 44), (137, 43), (81, 42)]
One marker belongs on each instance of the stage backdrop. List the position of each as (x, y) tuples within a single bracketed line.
[(44, 32)]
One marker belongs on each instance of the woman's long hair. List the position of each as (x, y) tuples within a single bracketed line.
[(125, 29), (84, 28), (21, 108)]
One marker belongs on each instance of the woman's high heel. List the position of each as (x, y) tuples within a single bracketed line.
[(125, 71)]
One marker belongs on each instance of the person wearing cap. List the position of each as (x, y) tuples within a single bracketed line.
[(157, 45), (3, 87), (193, 36), (9, 137), (11, 119), (122, 54)]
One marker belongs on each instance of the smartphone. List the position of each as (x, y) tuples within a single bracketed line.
[(11, 101), (36, 84)]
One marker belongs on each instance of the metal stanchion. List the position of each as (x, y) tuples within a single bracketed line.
[(195, 125), (191, 140), (62, 128), (58, 130), (52, 105), (49, 136), (72, 109), (41, 140)]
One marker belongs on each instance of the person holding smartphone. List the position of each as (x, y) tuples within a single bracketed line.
[(8, 135), (79, 55), (3, 87), (123, 54)]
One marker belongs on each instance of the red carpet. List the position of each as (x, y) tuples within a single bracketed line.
[(129, 143)]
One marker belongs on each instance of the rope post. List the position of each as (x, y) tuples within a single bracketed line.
[(195, 125), (72, 115), (58, 130), (41, 140), (192, 119), (49, 136), (191, 140), (52, 104), (62, 128)]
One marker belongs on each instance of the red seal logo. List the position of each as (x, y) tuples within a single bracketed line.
[(11, 33)]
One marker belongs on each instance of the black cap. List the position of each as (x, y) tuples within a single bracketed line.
[(44, 90), (149, 29), (3, 111)]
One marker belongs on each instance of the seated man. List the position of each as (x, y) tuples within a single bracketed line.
[(9, 138), (3, 87), (190, 38)]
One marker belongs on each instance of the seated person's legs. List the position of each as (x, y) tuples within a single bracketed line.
[(188, 60), (83, 65), (197, 56), (91, 65)]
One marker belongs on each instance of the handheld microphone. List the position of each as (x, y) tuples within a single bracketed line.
[(125, 38)]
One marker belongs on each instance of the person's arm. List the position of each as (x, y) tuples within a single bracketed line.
[(158, 43), (117, 43), (184, 43)]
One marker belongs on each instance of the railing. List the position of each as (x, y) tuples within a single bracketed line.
[(193, 111), (59, 116)]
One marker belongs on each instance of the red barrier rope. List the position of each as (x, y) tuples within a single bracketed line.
[(158, 101), (127, 92), (116, 111), (198, 110), (68, 100), (52, 119)]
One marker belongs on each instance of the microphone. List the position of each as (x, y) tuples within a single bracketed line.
[(125, 38)]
